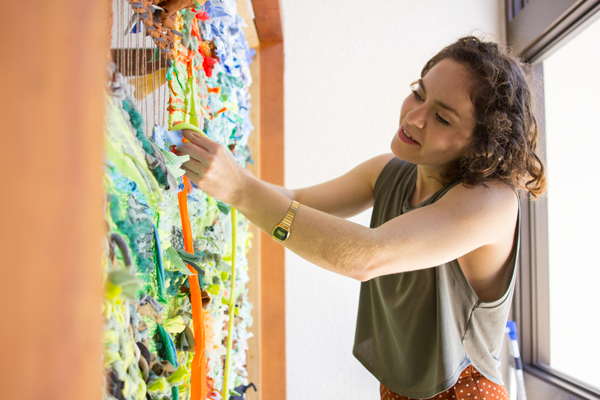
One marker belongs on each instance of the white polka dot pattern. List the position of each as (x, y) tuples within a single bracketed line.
[(471, 385)]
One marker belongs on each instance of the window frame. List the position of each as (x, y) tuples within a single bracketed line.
[(564, 19)]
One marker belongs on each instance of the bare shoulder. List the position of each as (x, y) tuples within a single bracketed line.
[(491, 195), (493, 204)]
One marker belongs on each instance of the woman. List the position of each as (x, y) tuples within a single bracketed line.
[(437, 264)]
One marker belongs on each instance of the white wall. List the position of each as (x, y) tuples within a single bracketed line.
[(348, 67)]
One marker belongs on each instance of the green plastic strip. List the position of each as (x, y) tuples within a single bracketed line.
[(231, 303)]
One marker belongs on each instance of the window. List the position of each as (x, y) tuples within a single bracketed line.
[(572, 105), (556, 303)]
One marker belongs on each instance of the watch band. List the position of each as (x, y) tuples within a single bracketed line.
[(289, 217), (282, 230)]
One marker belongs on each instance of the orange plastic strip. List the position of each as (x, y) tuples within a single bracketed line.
[(190, 63), (199, 388), (195, 30), (171, 86)]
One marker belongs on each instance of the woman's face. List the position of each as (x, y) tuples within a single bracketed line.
[(437, 119)]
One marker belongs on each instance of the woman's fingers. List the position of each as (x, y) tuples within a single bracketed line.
[(200, 140), (211, 165), (195, 166), (200, 163), (195, 152), (192, 176)]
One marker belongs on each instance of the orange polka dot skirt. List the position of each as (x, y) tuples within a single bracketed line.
[(471, 385)]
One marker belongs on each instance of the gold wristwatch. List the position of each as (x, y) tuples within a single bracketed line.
[(282, 231)]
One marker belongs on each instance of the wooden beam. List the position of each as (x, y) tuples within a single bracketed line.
[(245, 11), (273, 360), (52, 116), (268, 20)]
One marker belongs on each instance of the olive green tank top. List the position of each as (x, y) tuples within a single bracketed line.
[(417, 331)]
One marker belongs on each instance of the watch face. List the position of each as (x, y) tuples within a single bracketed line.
[(280, 234)]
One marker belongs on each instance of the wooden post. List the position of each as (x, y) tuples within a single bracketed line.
[(273, 372), (272, 306), (51, 209), (253, 357)]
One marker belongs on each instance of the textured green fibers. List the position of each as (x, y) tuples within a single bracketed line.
[(174, 280), (137, 121), (161, 177), (134, 232), (151, 324)]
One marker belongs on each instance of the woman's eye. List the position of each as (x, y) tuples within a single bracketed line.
[(441, 120), (417, 95)]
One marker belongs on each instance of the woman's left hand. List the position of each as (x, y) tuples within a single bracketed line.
[(212, 168)]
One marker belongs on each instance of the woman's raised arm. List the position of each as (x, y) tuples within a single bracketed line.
[(345, 196), (464, 220)]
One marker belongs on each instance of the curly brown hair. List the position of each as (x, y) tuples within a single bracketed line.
[(505, 136)]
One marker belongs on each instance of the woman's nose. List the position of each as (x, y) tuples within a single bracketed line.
[(416, 117)]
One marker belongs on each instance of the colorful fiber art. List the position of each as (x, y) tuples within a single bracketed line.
[(176, 310)]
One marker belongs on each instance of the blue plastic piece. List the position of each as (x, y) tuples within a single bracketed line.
[(512, 329), (137, 28)]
